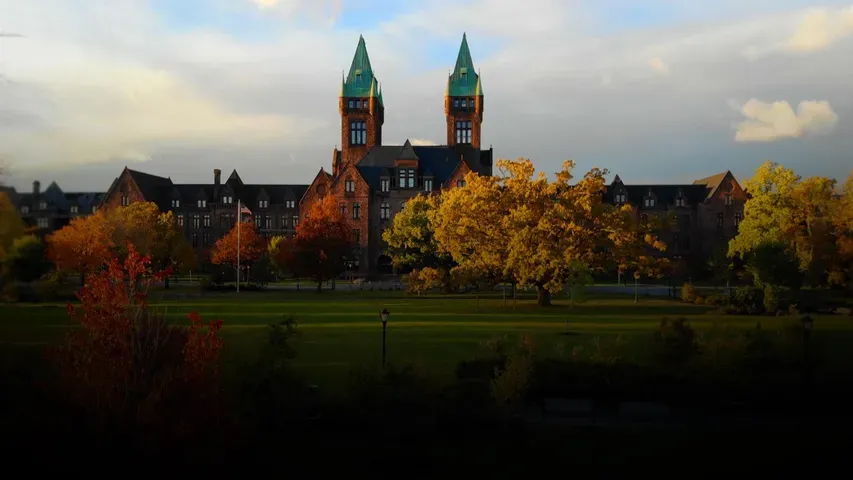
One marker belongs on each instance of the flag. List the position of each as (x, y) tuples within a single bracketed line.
[(245, 213)]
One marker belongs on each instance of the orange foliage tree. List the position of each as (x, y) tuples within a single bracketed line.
[(126, 364), (83, 246), (321, 245), (252, 246)]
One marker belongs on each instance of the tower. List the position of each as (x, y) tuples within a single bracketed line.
[(362, 109), (463, 101)]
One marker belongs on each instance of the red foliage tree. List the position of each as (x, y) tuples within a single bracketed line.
[(127, 365), (321, 245), (252, 246)]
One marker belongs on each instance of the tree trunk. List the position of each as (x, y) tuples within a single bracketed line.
[(636, 290), (544, 296)]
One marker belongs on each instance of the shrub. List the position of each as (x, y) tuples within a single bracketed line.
[(11, 292), (674, 342), (717, 300), (776, 299), (699, 300), (688, 293), (749, 300)]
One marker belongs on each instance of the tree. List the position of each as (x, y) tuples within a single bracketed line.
[(83, 246), (320, 246), (11, 225), (27, 259), (773, 264), (843, 217), (152, 233), (251, 246), (411, 238)]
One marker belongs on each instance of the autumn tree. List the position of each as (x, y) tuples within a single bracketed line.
[(11, 225), (83, 246), (251, 246), (152, 233), (843, 219), (321, 245)]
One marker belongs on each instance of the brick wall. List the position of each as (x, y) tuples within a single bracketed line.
[(125, 186)]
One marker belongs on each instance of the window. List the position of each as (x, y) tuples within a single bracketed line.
[(356, 211), (43, 205), (358, 78), (385, 211), (649, 202), (25, 209), (205, 239), (464, 78), (228, 200), (295, 221), (464, 103), (75, 209), (350, 104), (621, 198), (196, 221), (223, 220), (290, 204), (679, 202), (384, 185), (406, 178), (349, 185), (460, 183), (455, 103), (202, 204), (685, 221), (258, 221), (176, 203), (737, 219), (94, 209), (283, 221), (402, 205), (720, 220), (207, 221), (358, 133), (463, 131), (41, 222), (728, 199), (343, 207), (263, 204), (644, 219), (195, 239), (356, 235), (268, 222), (180, 220), (427, 185)]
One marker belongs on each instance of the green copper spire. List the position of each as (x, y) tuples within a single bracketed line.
[(464, 79), (360, 82)]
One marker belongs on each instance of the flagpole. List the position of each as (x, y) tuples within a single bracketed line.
[(238, 244)]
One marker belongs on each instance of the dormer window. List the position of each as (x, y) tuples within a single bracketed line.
[(75, 209), (358, 133), (25, 209), (263, 204), (464, 78), (384, 185), (228, 200), (649, 201), (202, 204), (460, 183), (463, 131), (428, 185), (358, 78), (290, 204), (349, 185), (621, 198), (407, 178), (679, 202)]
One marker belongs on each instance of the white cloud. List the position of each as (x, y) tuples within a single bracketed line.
[(331, 9), (420, 142), (767, 122), (659, 66), (820, 28)]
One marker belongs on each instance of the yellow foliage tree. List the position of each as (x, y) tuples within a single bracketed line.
[(11, 225)]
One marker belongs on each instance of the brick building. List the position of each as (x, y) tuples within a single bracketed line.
[(372, 181), (50, 209)]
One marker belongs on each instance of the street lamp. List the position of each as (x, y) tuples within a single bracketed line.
[(383, 315)]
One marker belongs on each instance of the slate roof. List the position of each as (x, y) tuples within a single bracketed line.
[(694, 193), (712, 183), (440, 161), (360, 82)]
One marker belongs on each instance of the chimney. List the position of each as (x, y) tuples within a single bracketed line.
[(36, 187), (217, 176)]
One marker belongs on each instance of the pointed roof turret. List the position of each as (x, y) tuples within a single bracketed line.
[(360, 82), (407, 152), (464, 79)]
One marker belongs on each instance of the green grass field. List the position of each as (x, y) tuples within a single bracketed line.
[(342, 330)]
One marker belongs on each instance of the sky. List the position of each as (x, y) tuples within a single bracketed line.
[(658, 91)]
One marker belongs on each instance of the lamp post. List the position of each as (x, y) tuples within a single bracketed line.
[(383, 315)]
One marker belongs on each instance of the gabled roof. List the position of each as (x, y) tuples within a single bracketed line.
[(440, 160), (407, 152), (361, 82), (712, 183), (464, 81)]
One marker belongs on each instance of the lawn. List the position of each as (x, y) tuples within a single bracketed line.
[(342, 330)]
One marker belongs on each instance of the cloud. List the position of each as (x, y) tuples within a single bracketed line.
[(767, 122), (821, 28), (659, 66), (419, 142), (331, 9)]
